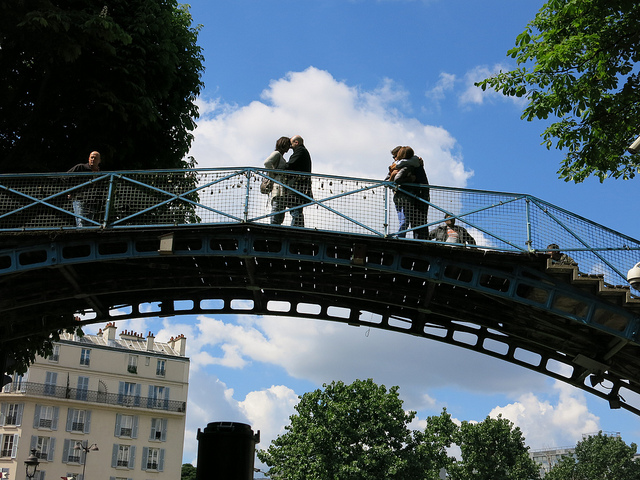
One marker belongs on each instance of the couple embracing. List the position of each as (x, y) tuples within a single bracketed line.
[(281, 197)]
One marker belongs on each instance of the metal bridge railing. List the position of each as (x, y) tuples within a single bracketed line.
[(142, 199)]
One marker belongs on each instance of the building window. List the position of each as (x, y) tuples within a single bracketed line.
[(153, 459), (83, 388), (126, 425), (78, 420), (43, 447), (129, 394), (85, 357), (158, 429), (9, 445), (55, 354), (158, 397), (50, 380), (18, 383), (132, 367), (46, 417), (11, 414), (123, 456), (160, 368)]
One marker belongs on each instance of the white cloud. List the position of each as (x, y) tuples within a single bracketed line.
[(547, 425), (473, 95), (270, 409), (445, 83), (347, 131)]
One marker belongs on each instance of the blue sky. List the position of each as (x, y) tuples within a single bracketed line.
[(355, 78)]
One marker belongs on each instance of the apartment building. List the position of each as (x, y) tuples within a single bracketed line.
[(99, 406)]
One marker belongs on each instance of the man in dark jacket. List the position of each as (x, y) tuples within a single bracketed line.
[(299, 161), (450, 232)]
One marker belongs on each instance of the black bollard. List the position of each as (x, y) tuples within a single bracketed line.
[(226, 451)]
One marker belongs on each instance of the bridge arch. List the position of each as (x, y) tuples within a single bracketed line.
[(511, 304)]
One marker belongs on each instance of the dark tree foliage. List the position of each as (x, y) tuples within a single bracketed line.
[(578, 61), (188, 472), (120, 77)]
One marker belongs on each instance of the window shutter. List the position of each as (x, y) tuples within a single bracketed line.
[(87, 421), (132, 457), (36, 417), (134, 433), (137, 399), (34, 442), (3, 414), (150, 396), (161, 461), (20, 412), (166, 398), (56, 414), (14, 450), (70, 413), (118, 422), (65, 450), (52, 445), (145, 456), (114, 456), (152, 436)]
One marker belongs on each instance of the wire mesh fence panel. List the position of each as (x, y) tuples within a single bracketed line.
[(498, 221)]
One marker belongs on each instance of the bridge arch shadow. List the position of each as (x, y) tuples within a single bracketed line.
[(510, 305)]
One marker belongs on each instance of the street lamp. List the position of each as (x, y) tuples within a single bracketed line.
[(31, 464), (86, 450)]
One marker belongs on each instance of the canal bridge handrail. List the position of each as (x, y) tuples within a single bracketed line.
[(498, 221)]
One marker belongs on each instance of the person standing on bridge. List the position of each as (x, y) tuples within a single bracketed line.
[(299, 161), (276, 161), (408, 168), (84, 203)]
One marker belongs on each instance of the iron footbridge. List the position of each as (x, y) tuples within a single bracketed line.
[(88, 248)]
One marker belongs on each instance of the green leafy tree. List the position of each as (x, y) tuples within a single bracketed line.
[(188, 472), (120, 77), (578, 62), (493, 449), (358, 431), (598, 457)]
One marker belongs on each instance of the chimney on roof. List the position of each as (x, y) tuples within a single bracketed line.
[(150, 342), (179, 344), (110, 330)]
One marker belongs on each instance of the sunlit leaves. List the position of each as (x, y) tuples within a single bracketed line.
[(578, 62)]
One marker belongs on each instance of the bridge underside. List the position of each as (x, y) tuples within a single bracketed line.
[(507, 305)]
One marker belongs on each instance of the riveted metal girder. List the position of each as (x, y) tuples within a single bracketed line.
[(507, 305)]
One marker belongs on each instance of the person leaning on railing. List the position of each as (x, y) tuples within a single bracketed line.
[(83, 204), (451, 233), (277, 193)]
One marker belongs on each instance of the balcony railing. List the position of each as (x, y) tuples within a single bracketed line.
[(5, 453), (125, 432), (123, 463), (45, 423), (73, 459), (77, 427), (152, 466), (39, 389)]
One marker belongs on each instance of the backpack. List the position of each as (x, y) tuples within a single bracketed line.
[(266, 186)]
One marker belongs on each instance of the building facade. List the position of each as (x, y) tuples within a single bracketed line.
[(109, 408)]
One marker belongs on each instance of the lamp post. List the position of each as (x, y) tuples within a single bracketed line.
[(86, 450), (31, 464)]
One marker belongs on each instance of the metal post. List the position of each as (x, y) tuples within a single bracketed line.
[(226, 451)]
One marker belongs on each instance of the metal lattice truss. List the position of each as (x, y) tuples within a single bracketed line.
[(498, 221)]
